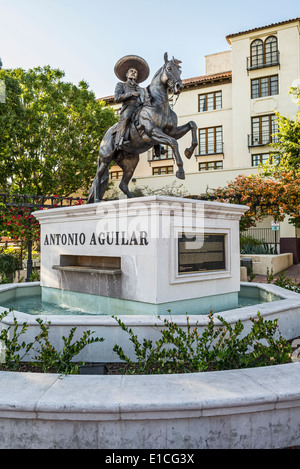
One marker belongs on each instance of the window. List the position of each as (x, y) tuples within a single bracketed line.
[(2, 89), (166, 154), (263, 54), (260, 159), (210, 101), (162, 170), (263, 128), (210, 141), (210, 165), (270, 50), (266, 86), (263, 158), (116, 174), (257, 53)]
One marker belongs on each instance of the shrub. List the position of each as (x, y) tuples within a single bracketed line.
[(283, 281), (61, 361), (217, 348), (263, 248), (15, 350), (9, 264), (249, 240), (48, 358)]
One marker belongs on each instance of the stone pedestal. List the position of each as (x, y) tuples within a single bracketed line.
[(143, 255)]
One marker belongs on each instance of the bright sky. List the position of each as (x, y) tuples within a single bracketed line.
[(85, 38)]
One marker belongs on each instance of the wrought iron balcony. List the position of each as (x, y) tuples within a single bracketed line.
[(268, 59), (261, 138)]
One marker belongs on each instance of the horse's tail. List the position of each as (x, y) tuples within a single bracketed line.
[(91, 196)]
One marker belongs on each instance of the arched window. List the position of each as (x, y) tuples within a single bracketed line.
[(271, 50), (263, 54), (257, 53)]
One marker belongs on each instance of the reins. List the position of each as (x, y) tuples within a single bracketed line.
[(163, 102)]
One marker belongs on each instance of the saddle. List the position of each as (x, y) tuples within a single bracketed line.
[(133, 125)]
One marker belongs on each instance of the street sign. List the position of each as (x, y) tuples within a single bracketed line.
[(275, 226)]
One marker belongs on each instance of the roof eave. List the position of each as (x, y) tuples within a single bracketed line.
[(243, 33)]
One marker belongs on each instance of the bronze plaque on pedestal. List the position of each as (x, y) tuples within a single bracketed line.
[(201, 252)]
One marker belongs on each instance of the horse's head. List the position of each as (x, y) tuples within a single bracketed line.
[(171, 72)]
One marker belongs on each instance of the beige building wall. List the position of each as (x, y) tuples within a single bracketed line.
[(244, 108), (227, 72), (219, 62)]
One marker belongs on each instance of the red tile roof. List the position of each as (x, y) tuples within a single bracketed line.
[(107, 99), (205, 78), (261, 27)]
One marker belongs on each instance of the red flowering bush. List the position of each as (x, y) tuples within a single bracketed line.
[(19, 224)]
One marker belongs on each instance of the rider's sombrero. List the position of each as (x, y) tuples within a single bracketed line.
[(132, 61)]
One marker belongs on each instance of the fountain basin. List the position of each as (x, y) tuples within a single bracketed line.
[(234, 409), (285, 307), (44, 300)]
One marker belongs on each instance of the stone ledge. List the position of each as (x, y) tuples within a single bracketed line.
[(275, 263), (84, 269), (256, 401)]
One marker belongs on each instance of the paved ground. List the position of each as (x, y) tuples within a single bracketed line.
[(292, 272)]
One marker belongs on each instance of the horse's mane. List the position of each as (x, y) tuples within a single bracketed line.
[(157, 73)]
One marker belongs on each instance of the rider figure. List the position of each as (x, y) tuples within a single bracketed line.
[(130, 95), (131, 70)]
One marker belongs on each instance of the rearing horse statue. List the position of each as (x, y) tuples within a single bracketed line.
[(154, 124)]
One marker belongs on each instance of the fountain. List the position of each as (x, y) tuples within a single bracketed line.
[(141, 259)]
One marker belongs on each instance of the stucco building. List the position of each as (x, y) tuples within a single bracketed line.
[(234, 106)]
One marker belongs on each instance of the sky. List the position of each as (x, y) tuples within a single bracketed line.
[(85, 38)]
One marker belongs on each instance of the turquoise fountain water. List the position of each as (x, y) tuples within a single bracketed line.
[(72, 303)]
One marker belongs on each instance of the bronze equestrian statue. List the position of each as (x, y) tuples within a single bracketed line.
[(150, 122)]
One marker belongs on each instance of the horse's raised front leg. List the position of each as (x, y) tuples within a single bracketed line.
[(160, 137), (128, 165), (178, 132)]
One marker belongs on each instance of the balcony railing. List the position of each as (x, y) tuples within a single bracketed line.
[(268, 59), (261, 139)]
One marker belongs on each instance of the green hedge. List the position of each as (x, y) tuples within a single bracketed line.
[(9, 265)]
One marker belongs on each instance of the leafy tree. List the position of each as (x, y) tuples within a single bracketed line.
[(50, 132), (288, 145)]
